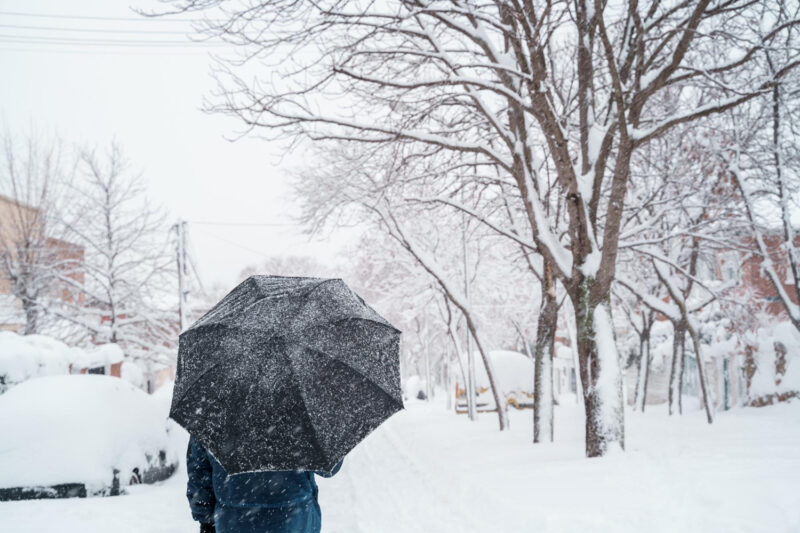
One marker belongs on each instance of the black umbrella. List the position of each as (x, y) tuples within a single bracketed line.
[(286, 374)]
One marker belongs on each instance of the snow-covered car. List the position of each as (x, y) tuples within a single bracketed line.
[(514, 372), (81, 435)]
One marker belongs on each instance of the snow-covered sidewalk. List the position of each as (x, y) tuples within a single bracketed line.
[(427, 470)]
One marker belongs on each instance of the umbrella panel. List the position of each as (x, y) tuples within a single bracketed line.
[(248, 408), (343, 405), (368, 347)]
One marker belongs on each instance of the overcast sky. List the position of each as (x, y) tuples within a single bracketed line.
[(61, 73)]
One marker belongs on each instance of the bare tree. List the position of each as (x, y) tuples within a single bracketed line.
[(641, 320), (130, 279), (762, 157), (32, 256), (492, 82), (374, 190)]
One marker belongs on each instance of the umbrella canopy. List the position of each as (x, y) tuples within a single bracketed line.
[(286, 374)]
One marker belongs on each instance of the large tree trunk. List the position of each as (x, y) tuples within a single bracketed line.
[(676, 369), (701, 372), (646, 374), (31, 311), (641, 377), (600, 374), (640, 395), (543, 362)]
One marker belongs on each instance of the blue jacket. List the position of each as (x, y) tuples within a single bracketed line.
[(254, 502)]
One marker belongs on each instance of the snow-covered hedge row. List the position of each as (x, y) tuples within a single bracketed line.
[(30, 356), (777, 375)]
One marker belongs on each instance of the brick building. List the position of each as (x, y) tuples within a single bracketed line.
[(758, 284), (730, 366)]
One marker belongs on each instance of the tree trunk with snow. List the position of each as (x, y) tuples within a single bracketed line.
[(693, 334), (601, 378), (543, 362), (648, 347), (676, 368), (494, 385), (31, 311), (640, 394)]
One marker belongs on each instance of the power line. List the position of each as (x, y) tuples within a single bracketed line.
[(238, 245), (253, 224), (90, 30), (89, 17), (143, 50), (18, 39)]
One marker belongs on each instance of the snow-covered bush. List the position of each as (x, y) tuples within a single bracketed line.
[(777, 374), (23, 357), (133, 374), (414, 388), (26, 357), (660, 344)]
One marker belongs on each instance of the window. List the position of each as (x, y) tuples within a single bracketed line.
[(730, 267)]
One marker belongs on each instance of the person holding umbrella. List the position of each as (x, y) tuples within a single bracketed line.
[(277, 383), (253, 502)]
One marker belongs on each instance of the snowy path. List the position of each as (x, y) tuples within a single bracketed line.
[(427, 470)]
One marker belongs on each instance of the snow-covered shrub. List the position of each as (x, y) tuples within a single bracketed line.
[(414, 388), (26, 357), (23, 357), (133, 374), (777, 374), (660, 345)]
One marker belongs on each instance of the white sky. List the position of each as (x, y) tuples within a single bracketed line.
[(149, 99)]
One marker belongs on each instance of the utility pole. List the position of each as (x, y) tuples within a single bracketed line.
[(180, 253)]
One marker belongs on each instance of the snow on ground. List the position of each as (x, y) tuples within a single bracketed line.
[(427, 470)]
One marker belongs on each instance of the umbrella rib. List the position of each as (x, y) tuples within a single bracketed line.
[(332, 322), (305, 296), (357, 371), (190, 385), (249, 393), (308, 415), (238, 312), (202, 321)]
